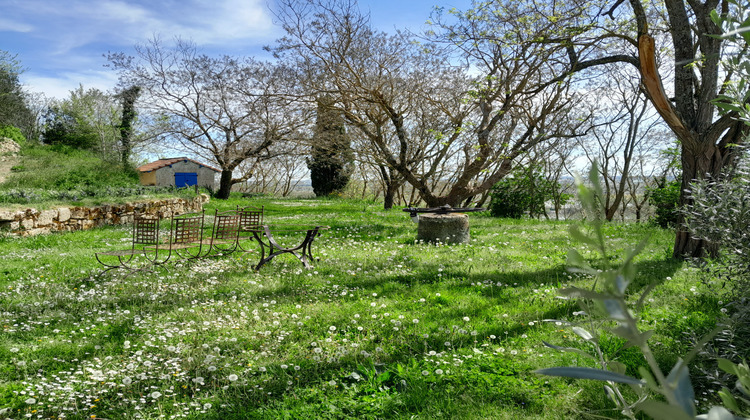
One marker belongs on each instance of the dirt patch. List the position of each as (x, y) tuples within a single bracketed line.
[(8, 157)]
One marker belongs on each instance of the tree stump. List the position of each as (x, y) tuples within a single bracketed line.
[(451, 228)]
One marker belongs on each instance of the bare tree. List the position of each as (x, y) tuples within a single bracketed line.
[(280, 175), (422, 116), (650, 166), (226, 110), (624, 126), (553, 160)]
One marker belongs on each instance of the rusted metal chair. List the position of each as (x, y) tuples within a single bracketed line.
[(225, 233), (250, 218), (146, 250), (187, 236)]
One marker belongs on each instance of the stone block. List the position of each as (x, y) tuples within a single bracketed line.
[(78, 213), (7, 215), (46, 217), (63, 214), (27, 223), (37, 231)]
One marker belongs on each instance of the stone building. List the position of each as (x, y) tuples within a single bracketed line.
[(180, 172)]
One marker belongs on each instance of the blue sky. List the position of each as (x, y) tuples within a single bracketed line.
[(61, 43)]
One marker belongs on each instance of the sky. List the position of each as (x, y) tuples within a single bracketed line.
[(62, 43)]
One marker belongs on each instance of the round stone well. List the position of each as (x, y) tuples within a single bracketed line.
[(448, 228)]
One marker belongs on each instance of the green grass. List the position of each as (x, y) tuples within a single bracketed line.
[(60, 167), (382, 327), (53, 176)]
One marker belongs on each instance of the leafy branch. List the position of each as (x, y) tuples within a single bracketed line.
[(660, 395)]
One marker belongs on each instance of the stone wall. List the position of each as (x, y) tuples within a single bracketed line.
[(34, 222)]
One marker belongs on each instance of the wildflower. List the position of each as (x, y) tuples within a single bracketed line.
[(332, 328), (30, 401), (416, 321), (127, 381), (466, 319), (425, 373), (438, 371), (233, 377), (14, 350), (155, 394)]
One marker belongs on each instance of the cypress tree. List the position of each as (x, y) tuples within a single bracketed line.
[(331, 155)]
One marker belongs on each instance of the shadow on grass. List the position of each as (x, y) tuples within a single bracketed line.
[(653, 271), (434, 273)]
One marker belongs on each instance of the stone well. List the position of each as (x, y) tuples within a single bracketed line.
[(450, 228)]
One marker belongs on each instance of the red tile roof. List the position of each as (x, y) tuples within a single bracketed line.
[(169, 161)]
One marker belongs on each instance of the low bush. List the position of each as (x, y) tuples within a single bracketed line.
[(35, 195), (64, 168), (666, 199), (13, 133), (523, 192)]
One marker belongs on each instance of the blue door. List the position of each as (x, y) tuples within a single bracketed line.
[(185, 179)]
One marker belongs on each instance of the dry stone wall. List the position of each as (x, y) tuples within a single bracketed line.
[(35, 222)]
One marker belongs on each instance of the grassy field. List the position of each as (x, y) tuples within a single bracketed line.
[(382, 327)]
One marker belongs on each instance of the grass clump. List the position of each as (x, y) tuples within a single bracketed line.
[(62, 168), (57, 175)]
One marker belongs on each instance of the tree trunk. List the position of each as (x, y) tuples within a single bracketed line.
[(388, 195), (225, 184), (700, 160)]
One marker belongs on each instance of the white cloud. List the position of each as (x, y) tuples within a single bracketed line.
[(60, 86), (61, 42), (12, 26), (73, 24)]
